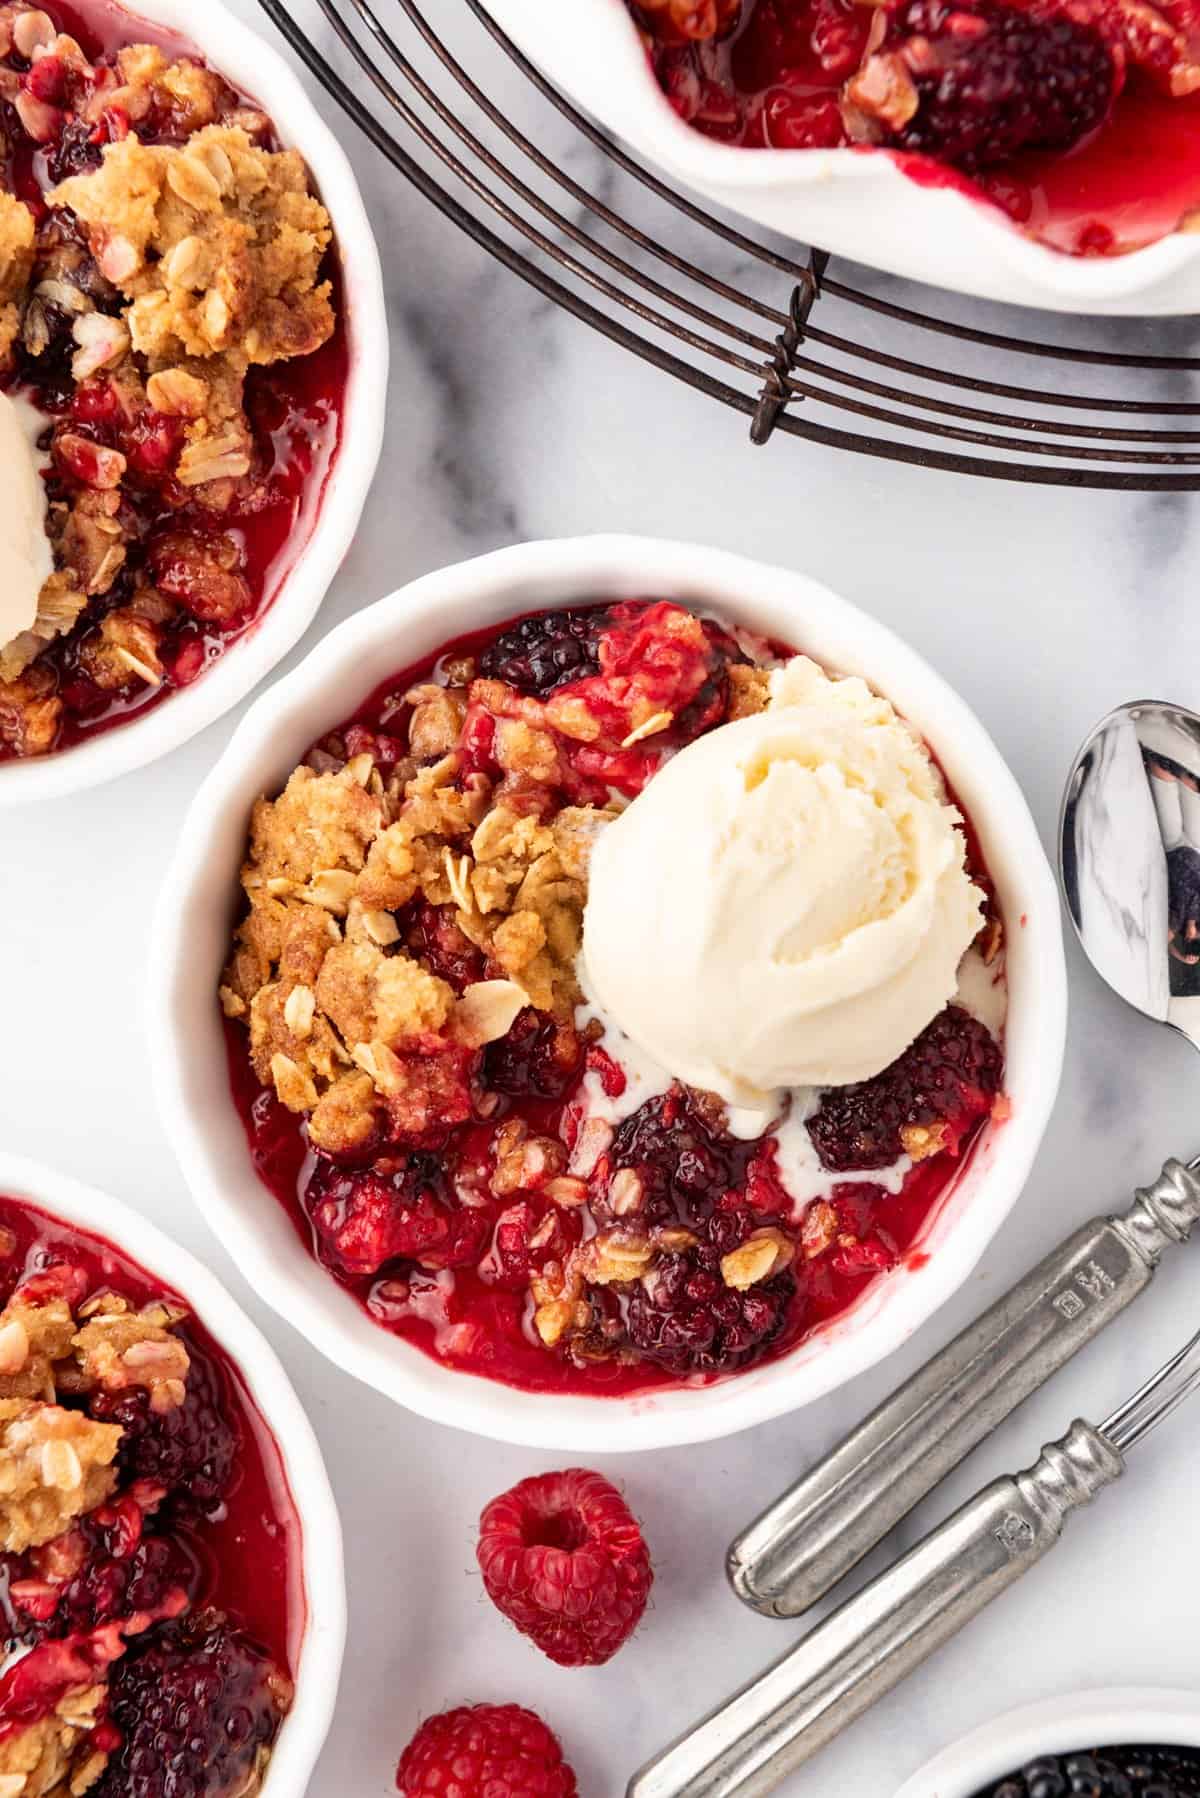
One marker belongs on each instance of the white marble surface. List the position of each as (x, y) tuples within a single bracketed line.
[(508, 420)]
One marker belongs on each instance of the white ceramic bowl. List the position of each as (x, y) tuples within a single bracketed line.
[(1104, 1718), (199, 902), (843, 200), (324, 1587), (255, 66)]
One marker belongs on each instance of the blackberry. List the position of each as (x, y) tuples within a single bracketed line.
[(1105, 1773), (540, 1058), (946, 1080), (199, 1706), (546, 651), (77, 150), (683, 1154), (191, 1450), (431, 933), (149, 1579), (684, 1317), (993, 79)]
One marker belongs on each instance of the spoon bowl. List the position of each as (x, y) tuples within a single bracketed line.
[(1129, 857)]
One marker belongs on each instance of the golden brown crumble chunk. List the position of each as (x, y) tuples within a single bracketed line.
[(127, 645), (749, 690), (368, 996), (118, 1347), (318, 971), (34, 1340), (30, 712), (319, 822), (54, 1758), (344, 1019), (216, 244), (55, 1465), (187, 90)]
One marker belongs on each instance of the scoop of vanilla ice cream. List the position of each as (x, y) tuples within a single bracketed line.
[(26, 559), (786, 903)]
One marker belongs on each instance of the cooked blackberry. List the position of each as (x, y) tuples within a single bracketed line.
[(191, 1450), (198, 1706), (539, 1058), (546, 651), (683, 1155), (991, 80), (941, 1087), (685, 1317)]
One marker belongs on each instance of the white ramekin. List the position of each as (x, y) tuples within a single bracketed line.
[(255, 66), (324, 1587), (199, 902), (846, 201), (1108, 1717)]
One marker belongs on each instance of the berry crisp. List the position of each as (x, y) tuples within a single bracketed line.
[(467, 1146)]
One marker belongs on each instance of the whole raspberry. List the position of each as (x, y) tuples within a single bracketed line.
[(191, 1450), (562, 1556), (198, 1707), (975, 83), (927, 1101), (364, 1220), (485, 1751)]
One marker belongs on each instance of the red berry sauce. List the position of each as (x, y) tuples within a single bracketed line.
[(774, 82), (227, 1531), (454, 1280), (295, 410)]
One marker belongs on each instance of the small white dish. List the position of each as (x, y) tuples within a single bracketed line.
[(200, 898), (849, 202), (1108, 1717), (319, 1661), (254, 65)]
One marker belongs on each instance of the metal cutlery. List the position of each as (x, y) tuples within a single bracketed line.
[(776, 1723), (823, 1526)]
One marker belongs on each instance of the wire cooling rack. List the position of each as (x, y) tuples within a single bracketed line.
[(464, 116)]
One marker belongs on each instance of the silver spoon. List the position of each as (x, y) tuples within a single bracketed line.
[(1129, 856), (1130, 867)]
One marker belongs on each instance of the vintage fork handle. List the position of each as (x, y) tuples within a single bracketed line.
[(881, 1635), (824, 1525)]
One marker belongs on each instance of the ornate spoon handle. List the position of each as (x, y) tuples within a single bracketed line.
[(878, 1637), (824, 1525)]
